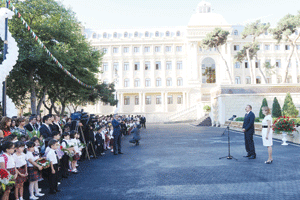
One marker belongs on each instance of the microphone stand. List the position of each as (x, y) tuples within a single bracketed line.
[(229, 157)]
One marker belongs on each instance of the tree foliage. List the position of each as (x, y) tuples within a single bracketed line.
[(289, 108), (264, 104), (276, 109)]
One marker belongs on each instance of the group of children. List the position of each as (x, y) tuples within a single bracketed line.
[(21, 159)]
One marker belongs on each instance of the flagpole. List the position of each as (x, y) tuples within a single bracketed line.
[(4, 57)]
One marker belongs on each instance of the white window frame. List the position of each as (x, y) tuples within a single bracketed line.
[(158, 82), (168, 48), (126, 100), (157, 49), (126, 66), (137, 82), (136, 49), (148, 82), (127, 83), (170, 99), (179, 65), (236, 47), (179, 99), (105, 66), (126, 50), (179, 48), (237, 80), (136, 66), (158, 99), (136, 100), (179, 81), (147, 66), (169, 65), (237, 65), (157, 65), (147, 49), (169, 82), (116, 50), (148, 100)]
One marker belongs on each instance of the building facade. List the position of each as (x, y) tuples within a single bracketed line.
[(164, 73)]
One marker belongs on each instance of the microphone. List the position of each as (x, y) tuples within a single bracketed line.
[(233, 116)]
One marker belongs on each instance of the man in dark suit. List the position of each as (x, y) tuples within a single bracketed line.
[(30, 126), (117, 135), (143, 121), (45, 129), (248, 129)]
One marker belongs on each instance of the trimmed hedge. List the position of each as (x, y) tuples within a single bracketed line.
[(241, 119)]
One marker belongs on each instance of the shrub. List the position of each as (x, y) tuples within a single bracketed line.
[(241, 119), (276, 109), (289, 109), (264, 103), (206, 108), (27, 114)]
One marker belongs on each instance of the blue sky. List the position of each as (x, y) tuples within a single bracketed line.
[(98, 14)]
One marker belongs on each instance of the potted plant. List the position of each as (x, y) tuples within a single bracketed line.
[(284, 125), (206, 108)]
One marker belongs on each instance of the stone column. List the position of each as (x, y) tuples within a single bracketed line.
[(121, 102), (163, 101), (195, 70), (140, 102), (166, 101), (143, 102), (184, 99)]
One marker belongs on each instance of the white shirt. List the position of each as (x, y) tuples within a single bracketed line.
[(20, 160), (47, 150), (51, 156), (76, 145), (29, 155), (10, 161)]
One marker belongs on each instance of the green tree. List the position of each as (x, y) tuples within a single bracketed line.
[(264, 103), (210, 73), (276, 109), (285, 29), (249, 50), (289, 108), (216, 39)]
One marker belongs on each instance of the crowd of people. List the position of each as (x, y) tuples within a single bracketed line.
[(39, 148)]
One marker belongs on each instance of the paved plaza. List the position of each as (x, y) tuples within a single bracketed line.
[(181, 161)]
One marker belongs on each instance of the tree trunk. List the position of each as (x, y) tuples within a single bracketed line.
[(284, 80), (227, 68), (32, 93), (250, 67), (63, 107), (41, 100), (262, 73)]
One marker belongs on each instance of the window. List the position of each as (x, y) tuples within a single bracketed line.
[(136, 49), (116, 82), (126, 49), (298, 47), (178, 33), (147, 65), (267, 47), (277, 47), (248, 80), (158, 82), (279, 79), (115, 35), (106, 81), (126, 100), (169, 81), (298, 79), (287, 47), (296, 32), (268, 63), (237, 80), (147, 82), (237, 65), (94, 35), (146, 34), (246, 64), (179, 99), (269, 80), (104, 35), (257, 64), (137, 83), (170, 99), (179, 82), (126, 66), (136, 34), (169, 65), (158, 99), (289, 79), (258, 80), (136, 66), (168, 48), (116, 50), (278, 63), (200, 48), (126, 34), (104, 50), (105, 66), (179, 48), (236, 47), (168, 33), (179, 64), (147, 49), (126, 83), (148, 100), (158, 65), (136, 100), (235, 32), (157, 49), (116, 67), (156, 34)]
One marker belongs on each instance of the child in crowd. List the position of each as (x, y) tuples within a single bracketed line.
[(37, 151), (7, 162), (99, 141), (14, 138), (21, 165), (33, 171), (111, 138), (77, 148), (52, 157), (107, 139), (65, 158)]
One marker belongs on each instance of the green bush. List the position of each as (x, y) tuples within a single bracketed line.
[(276, 109), (297, 121), (289, 108), (241, 119), (27, 114), (206, 108), (264, 103)]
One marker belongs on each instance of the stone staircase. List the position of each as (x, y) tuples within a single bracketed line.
[(189, 114), (203, 121)]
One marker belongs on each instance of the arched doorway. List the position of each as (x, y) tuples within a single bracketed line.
[(208, 69)]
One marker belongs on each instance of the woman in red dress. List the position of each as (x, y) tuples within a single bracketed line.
[(5, 126)]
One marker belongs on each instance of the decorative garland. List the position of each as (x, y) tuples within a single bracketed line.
[(44, 47)]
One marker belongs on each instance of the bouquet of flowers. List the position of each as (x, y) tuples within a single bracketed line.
[(284, 124), (81, 145), (68, 153), (43, 162), (6, 179)]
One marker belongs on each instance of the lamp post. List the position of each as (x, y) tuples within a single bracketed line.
[(4, 57)]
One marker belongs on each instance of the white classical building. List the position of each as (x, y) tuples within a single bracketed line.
[(164, 74)]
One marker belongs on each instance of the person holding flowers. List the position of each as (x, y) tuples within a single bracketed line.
[(7, 162), (52, 157), (33, 171), (67, 152), (21, 165), (267, 132)]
